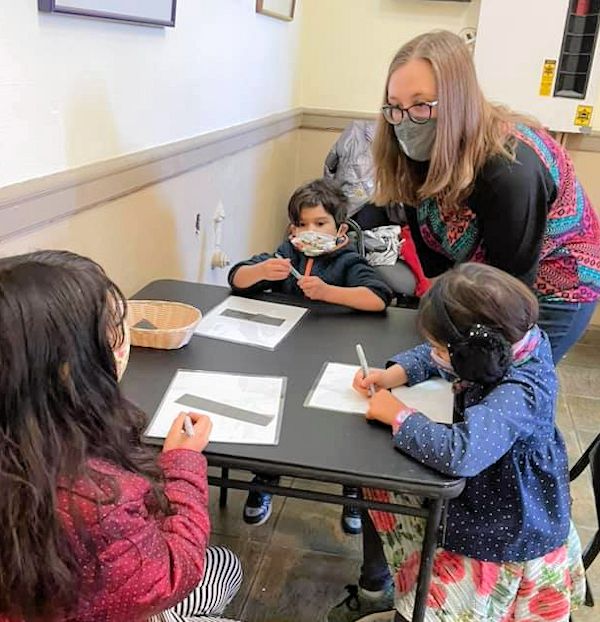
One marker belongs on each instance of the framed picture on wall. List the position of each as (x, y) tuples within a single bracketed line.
[(150, 12), (281, 9)]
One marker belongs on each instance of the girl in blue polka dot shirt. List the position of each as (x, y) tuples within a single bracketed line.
[(510, 552)]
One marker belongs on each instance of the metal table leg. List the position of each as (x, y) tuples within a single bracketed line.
[(432, 529), (224, 489), (434, 514)]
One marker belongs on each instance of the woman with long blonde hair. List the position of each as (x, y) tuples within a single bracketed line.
[(482, 183)]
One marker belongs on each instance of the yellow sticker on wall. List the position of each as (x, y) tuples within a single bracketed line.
[(583, 116), (547, 77)]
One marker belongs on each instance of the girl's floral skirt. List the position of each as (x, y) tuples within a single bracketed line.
[(465, 589)]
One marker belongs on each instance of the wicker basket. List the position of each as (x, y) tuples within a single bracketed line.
[(161, 324)]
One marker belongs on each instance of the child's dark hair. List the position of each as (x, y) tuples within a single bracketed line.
[(478, 294), (60, 405), (325, 192)]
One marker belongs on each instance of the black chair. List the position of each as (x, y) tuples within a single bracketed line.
[(591, 458), (356, 235)]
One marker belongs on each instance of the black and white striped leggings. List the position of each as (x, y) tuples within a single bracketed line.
[(220, 583)]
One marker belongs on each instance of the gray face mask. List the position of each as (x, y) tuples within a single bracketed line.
[(416, 140)]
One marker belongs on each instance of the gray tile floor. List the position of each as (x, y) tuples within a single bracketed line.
[(299, 562)]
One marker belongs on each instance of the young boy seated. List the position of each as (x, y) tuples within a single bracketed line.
[(340, 276)]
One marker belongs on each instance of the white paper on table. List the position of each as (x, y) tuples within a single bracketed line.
[(260, 394), (252, 333), (333, 391)]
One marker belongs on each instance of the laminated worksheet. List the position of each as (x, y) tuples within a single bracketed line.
[(333, 391), (252, 322), (243, 408)]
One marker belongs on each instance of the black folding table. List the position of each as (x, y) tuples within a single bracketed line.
[(314, 444)]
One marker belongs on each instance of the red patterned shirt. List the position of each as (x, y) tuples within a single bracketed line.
[(143, 563)]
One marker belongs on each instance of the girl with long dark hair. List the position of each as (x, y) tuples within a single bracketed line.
[(95, 526)]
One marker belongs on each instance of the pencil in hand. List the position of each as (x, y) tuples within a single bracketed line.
[(293, 270), (362, 359)]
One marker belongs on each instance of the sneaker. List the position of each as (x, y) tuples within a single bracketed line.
[(351, 515), (258, 506), (361, 605), (351, 520)]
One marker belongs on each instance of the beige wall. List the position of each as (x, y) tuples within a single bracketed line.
[(78, 91), (150, 234), (346, 45), (313, 147)]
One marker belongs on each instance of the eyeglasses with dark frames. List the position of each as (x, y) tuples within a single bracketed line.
[(417, 113)]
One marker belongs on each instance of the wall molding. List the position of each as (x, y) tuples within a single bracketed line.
[(37, 202), (34, 203), (331, 120), (336, 120)]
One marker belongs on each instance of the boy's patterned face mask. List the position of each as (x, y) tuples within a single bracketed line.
[(313, 244)]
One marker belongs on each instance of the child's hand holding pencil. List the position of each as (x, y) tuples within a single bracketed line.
[(292, 270), (275, 269), (375, 378), (189, 431)]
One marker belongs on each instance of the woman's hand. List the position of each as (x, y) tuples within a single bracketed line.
[(384, 407), (177, 438)]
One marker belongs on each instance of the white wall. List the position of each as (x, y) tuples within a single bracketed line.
[(150, 234), (347, 45), (76, 90)]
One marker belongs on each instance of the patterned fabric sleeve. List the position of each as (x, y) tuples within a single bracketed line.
[(489, 430), (416, 363), (148, 562), (432, 262), (530, 217)]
